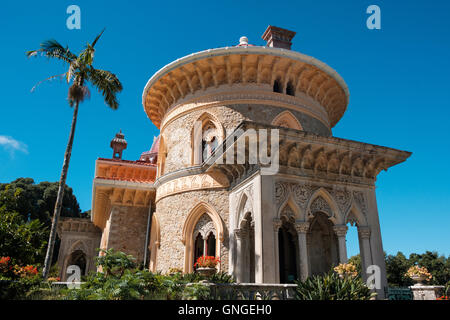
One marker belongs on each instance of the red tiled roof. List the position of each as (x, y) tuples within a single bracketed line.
[(138, 162)]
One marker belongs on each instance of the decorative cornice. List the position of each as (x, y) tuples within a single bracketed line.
[(244, 65), (307, 154), (76, 225)]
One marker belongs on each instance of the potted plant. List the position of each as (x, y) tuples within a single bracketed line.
[(206, 265), (418, 274)]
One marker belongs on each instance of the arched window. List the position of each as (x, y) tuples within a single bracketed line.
[(277, 86), (205, 239), (290, 89), (206, 136)]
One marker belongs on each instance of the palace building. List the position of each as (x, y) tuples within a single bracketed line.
[(188, 196)]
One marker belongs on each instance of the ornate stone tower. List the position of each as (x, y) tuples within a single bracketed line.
[(190, 195), (265, 228)]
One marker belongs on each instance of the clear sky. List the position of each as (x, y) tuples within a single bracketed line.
[(398, 79)]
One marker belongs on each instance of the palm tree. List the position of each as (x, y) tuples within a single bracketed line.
[(80, 72)]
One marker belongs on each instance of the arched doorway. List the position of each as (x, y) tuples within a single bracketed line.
[(78, 258), (322, 245), (288, 252), (248, 246)]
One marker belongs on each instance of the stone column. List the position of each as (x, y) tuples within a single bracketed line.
[(302, 229), (376, 244), (365, 254), (276, 227), (240, 235), (341, 231)]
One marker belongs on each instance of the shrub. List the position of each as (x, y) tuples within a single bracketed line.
[(114, 262), (333, 287), (222, 277)]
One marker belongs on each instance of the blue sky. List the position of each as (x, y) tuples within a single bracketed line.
[(397, 76)]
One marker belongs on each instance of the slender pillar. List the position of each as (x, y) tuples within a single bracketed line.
[(302, 229), (240, 235), (341, 232), (276, 227), (366, 255)]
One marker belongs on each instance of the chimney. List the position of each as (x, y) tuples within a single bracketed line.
[(278, 37)]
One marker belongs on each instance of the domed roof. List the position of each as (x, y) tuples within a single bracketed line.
[(152, 154)]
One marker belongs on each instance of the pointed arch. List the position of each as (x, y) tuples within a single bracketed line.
[(334, 215), (190, 222), (204, 123), (290, 202), (288, 120), (354, 215), (77, 245), (245, 205)]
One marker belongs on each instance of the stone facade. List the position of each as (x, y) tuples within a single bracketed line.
[(172, 212), (128, 229)]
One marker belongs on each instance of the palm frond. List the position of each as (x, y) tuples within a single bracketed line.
[(98, 37), (62, 75), (107, 84), (53, 49)]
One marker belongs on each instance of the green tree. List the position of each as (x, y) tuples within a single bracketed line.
[(438, 266), (22, 240), (396, 267), (80, 72), (36, 201)]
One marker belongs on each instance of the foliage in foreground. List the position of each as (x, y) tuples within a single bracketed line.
[(333, 287), (120, 279)]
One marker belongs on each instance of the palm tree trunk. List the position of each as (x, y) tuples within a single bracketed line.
[(59, 198)]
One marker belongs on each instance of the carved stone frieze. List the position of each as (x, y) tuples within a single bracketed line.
[(301, 193), (360, 200), (321, 205)]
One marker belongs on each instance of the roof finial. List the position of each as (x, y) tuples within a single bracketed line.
[(243, 41), (118, 144)]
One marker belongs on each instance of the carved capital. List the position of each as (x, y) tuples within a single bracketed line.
[(302, 227), (276, 224), (340, 231), (364, 232)]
